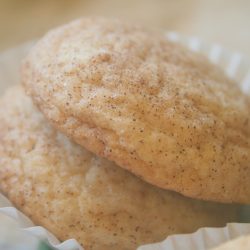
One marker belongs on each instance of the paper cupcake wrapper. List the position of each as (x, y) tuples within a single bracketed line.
[(235, 65), (26, 225), (203, 239)]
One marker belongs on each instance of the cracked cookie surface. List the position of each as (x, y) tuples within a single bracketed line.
[(154, 108)]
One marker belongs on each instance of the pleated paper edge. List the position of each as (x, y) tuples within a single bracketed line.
[(235, 65), (26, 225)]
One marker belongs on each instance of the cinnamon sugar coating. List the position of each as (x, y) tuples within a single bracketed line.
[(154, 108)]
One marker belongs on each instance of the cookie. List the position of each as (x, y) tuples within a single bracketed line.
[(76, 194), (154, 108)]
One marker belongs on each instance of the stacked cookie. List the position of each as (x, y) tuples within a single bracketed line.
[(113, 93)]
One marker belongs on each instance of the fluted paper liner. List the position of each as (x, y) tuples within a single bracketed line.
[(235, 65)]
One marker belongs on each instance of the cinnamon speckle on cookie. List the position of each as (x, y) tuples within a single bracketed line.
[(101, 82)]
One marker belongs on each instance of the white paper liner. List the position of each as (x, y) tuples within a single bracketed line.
[(203, 239), (235, 65), (27, 225)]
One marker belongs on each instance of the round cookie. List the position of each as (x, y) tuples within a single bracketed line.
[(156, 109), (76, 194)]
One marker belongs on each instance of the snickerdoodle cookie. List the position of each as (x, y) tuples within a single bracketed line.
[(74, 193), (156, 109)]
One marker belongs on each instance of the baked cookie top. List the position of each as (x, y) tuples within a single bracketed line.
[(155, 108), (76, 194)]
